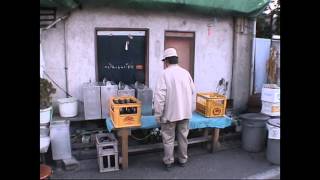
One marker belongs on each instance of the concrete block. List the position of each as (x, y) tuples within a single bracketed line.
[(71, 164)]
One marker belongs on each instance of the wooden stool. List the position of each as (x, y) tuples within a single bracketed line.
[(45, 171)]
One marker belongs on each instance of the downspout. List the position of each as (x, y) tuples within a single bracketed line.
[(253, 57), (65, 59)]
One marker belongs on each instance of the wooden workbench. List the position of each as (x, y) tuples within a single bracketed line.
[(148, 122), (123, 134)]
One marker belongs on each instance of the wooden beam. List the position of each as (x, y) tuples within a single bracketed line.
[(148, 147), (179, 34)]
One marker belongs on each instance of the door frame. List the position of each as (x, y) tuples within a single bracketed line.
[(146, 68), (184, 34)]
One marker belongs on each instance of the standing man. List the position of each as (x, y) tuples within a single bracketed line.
[(173, 107)]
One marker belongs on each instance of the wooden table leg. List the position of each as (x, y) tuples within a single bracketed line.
[(123, 133), (215, 139), (205, 134)]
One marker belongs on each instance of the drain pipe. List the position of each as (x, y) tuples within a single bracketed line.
[(253, 57), (65, 59)]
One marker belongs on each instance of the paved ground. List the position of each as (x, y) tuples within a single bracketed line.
[(228, 164)]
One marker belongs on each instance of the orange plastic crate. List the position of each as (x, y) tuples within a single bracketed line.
[(125, 114), (211, 104)]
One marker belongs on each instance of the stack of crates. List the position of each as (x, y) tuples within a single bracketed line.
[(270, 98), (211, 104), (125, 111), (107, 151)]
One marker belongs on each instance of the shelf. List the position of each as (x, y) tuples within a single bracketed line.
[(79, 117)]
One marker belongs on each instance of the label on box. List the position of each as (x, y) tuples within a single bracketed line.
[(216, 111), (270, 95), (271, 86), (201, 100), (271, 109), (128, 120), (274, 132)]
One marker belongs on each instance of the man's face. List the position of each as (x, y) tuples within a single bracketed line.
[(165, 64)]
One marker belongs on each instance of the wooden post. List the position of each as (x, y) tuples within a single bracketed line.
[(215, 139), (205, 135), (123, 133)]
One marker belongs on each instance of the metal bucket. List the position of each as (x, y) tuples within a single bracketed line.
[(127, 91), (273, 144), (253, 131), (92, 101), (145, 95), (106, 92)]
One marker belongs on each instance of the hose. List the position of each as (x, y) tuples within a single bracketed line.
[(138, 139)]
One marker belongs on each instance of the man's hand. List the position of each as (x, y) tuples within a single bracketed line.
[(158, 120)]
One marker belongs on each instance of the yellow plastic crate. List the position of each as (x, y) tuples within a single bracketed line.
[(211, 104), (125, 111)]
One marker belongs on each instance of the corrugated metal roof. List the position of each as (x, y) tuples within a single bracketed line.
[(249, 8)]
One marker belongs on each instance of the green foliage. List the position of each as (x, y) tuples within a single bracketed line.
[(46, 90), (269, 24)]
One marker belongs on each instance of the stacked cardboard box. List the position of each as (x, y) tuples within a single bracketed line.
[(270, 98)]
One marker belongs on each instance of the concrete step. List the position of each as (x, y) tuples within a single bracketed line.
[(71, 164)]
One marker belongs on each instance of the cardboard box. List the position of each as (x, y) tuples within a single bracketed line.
[(270, 109), (270, 94), (211, 104)]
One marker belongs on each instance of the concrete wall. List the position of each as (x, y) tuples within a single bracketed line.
[(262, 54), (242, 63), (213, 54), (52, 41)]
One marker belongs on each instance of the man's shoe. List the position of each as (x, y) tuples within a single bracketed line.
[(168, 166), (181, 164)]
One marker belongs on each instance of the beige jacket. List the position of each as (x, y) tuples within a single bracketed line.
[(173, 95)]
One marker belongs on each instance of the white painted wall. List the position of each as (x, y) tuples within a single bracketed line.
[(262, 54), (213, 54), (52, 42)]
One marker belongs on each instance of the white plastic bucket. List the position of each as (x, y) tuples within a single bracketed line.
[(45, 115), (68, 107)]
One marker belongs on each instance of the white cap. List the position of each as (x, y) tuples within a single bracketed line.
[(169, 52)]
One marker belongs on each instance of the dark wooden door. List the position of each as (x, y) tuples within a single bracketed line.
[(184, 44)]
